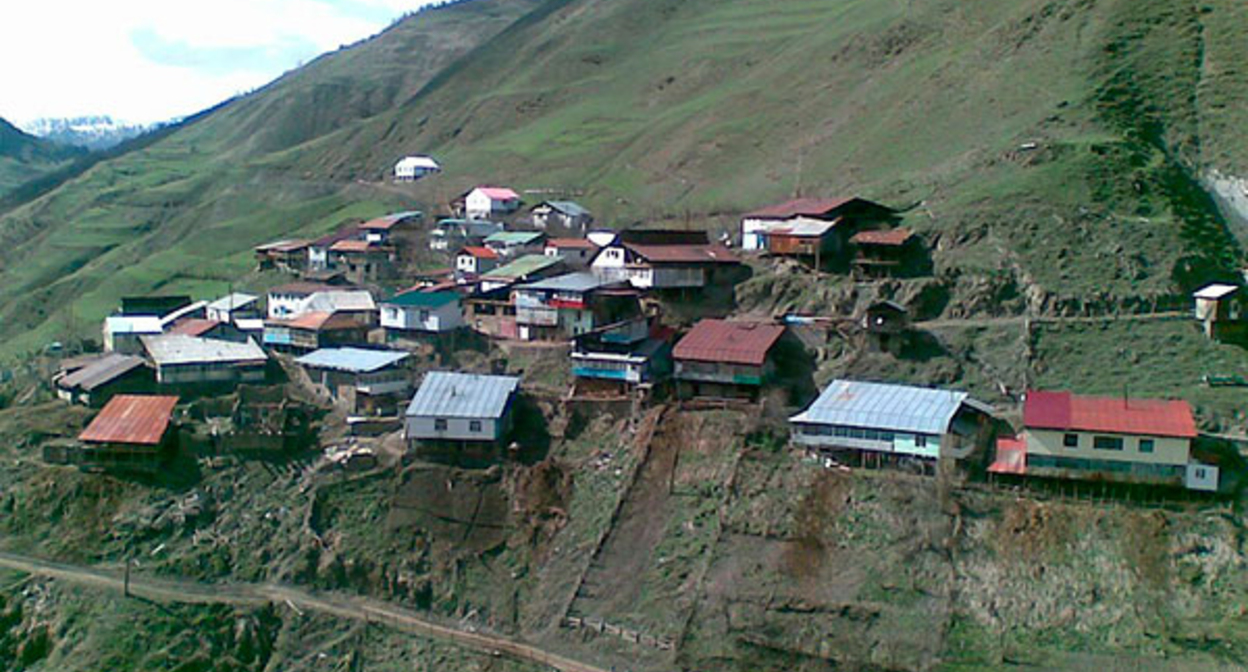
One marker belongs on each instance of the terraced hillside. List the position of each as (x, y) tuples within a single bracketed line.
[(1062, 145)]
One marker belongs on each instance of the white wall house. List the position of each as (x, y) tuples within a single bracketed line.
[(476, 260), (660, 266), (122, 332), (461, 407), (485, 202), (412, 168), (435, 312)]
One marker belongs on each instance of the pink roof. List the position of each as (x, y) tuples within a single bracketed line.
[(194, 327), (1011, 456), (800, 207), (571, 243), (729, 342), (480, 252), (131, 418), (499, 193), (1112, 415)]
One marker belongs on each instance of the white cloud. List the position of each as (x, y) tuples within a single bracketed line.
[(74, 57)]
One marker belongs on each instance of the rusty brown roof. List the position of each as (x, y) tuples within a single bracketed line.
[(684, 254), (131, 418), (805, 207), (729, 342), (195, 326), (894, 237)]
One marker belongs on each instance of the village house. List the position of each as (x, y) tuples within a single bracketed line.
[(289, 256), (451, 234), (576, 253), (473, 261), (381, 230), (122, 332), (618, 358), (1114, 439), (664, 266), (847, 215), (315, 329), (516, 243), (371, 382), (528, 268), (421, 312), (460, 415), (131, 433), (292, 298), (886, 253), (187, 360), (93, 380), (203, 327), (566, 214), (726, 359), (414, 167), (900, 421), (361, 261), (564, 306), (1221, 310), (887, 325), (486, 202), (234, 305), (319, 257)]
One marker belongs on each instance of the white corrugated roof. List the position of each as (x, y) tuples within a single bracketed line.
[(898, 408), (462, 395), (133, 324), (354, 360), (1215, 291), (334, 301), (233, 301), (418, 161), (181, 349)]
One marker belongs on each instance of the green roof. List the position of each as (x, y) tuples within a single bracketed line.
[(517, 237), (419, 299), (523, 267)]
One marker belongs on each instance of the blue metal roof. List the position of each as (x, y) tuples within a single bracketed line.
[(462, 395), (419, 299), (354, 360), (898, 408)]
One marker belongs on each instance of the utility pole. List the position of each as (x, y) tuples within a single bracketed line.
[(125, 586)]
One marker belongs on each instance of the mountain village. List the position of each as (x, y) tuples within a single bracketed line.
[(359, 330)]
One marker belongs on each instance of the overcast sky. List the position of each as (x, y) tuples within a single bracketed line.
[(151, 60)]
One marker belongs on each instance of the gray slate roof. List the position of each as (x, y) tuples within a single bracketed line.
[(462, 395), (572, 282), (103, 370), (353, 360), (173, 349), (897, 408)]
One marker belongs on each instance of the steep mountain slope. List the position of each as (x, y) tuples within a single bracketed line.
[(182, 212), (25, 157)]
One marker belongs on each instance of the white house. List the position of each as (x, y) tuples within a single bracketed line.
[(662, 266), (292, 298), (486, 202), (461, 407), (236, 304), (476, 260), (516, 243), (122, 332), (412, 168), (575, 252), (435, 312), (568, 214)]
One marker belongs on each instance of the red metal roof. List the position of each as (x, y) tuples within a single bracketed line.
[(1112, 415), (729, 342), (684, 254), (806, 207), (480, 252), (308, 321), (894, 237), (1011, 456), (500, 193), (571, 243), (331, 238), (129, 418), (194, 327)]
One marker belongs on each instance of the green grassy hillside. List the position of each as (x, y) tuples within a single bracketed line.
[(695, 110), (24, 157)]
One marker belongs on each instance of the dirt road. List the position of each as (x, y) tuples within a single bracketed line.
[(255, 594)]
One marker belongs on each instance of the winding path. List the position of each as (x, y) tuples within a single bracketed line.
[(255, 594)]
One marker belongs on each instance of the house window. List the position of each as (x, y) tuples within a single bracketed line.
[(439, 424), (920, 441), (424, 316), (1146, 445), (1201, 473), (1107, 442), (1070, 441), (474, 426)]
